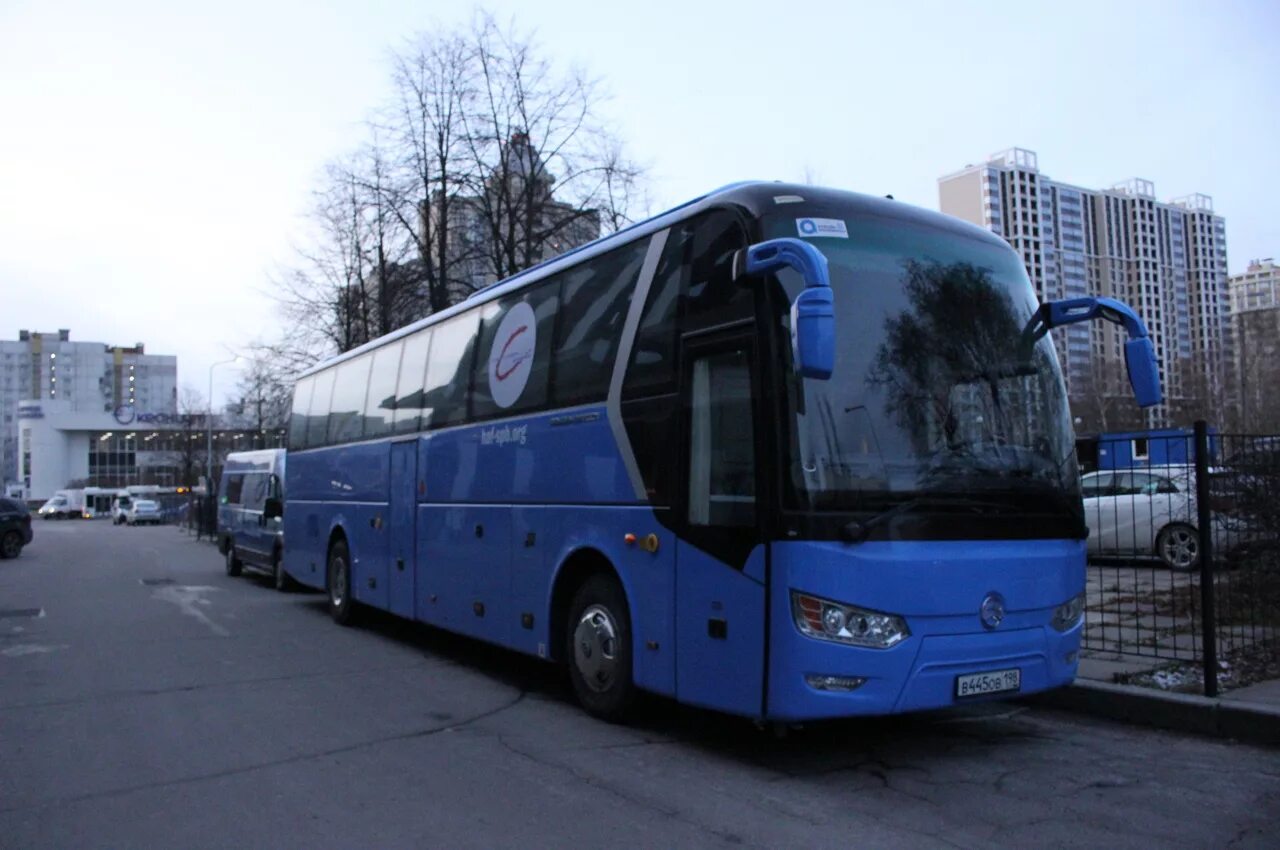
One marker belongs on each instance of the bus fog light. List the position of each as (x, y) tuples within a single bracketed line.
[(842, 684), (1068, 613), (826, 620)]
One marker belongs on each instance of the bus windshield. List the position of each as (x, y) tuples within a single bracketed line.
[(937, 391)]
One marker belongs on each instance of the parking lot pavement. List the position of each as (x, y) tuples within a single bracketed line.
[(146, 699)]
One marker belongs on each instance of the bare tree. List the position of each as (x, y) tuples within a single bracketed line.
[(434, 85), (265, 393), (486, 161), (543, 163)]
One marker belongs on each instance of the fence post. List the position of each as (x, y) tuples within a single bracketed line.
[(1204, 523)]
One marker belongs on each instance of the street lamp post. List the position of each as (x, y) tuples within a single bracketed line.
[(208, 460)]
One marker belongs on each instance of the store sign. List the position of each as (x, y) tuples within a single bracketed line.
[(126, 415), (30, 411)]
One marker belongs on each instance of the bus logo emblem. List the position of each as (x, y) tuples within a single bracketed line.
[(511, 355), (992, 611)]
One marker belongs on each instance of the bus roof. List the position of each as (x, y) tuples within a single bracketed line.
[(757, 196)]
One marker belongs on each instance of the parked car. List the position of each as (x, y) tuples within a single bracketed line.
[(144, 511), (15, 527), (1145, 513), (250, 514)]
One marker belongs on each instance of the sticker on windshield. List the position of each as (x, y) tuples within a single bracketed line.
[(832, 227), (511, 357)]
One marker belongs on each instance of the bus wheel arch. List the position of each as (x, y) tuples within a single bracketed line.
[(592, 634)]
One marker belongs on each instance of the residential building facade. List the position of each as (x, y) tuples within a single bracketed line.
[(1254, 370), (1167, 259), (76, 377)]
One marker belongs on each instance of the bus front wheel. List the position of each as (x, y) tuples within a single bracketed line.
[(338, 584), (599, 648)]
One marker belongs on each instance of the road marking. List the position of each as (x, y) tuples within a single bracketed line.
[(187, 597), (31, 649)]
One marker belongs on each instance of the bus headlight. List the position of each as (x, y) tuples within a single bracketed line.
[(826, 620), (1068, 613)]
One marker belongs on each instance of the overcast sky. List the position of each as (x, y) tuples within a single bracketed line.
[(156, 158)]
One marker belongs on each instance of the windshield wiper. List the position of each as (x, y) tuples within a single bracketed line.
[(857, 530)]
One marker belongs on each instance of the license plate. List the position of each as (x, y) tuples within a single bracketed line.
[(995, 682)]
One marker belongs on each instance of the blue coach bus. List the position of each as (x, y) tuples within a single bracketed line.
[(783, 452)]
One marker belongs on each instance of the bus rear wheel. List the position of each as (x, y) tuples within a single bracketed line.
[(599, 649), (342, 608)]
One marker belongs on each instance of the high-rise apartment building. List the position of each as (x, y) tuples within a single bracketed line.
[(1167, 259), (81, 377), (1254, 370)]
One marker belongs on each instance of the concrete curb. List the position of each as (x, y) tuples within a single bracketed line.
[(1242, 721)]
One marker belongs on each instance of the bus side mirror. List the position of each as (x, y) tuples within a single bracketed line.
[(813, 317), (1144, 372), (1139, 353), (272, 509)]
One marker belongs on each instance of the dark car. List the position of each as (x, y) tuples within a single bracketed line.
[(15, 527)]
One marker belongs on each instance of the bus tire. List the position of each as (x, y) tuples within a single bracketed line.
[(342, 608), (233, 563), (599, 648)]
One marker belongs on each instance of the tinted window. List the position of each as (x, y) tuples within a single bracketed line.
[(448, 371), (594, 299), (255, 490), (515, 353), (722, 483), (298, 416), (653, 359), (318, 409), (380, 403), (713, 298), (234, 489), (413, 370), (346, 411)]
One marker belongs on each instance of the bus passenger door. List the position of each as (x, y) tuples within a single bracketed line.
[(402, 514), (720, 559)]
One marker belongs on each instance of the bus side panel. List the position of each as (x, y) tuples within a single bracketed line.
[(360, 485), (463, 577), (304, 549), (648, 579), (344, 487)]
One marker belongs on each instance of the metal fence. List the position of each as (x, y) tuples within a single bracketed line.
[(1184, 544)]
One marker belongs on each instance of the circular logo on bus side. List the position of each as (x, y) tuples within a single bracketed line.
[(511, 357), (125, 414)]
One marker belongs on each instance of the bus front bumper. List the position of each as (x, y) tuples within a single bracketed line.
[(814, 679)]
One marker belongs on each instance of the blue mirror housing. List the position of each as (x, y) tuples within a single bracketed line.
[(1144, 372), (1139, 353), (813, 317)]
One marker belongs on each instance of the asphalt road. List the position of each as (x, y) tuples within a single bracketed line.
[(154, 702)]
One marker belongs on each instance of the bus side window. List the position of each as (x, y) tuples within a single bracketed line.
[(448, 379), (318, 409), (652, 370), (712, 296), (593, 308), (298, 415), (380, 403), (346, 411), (413, 370)]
